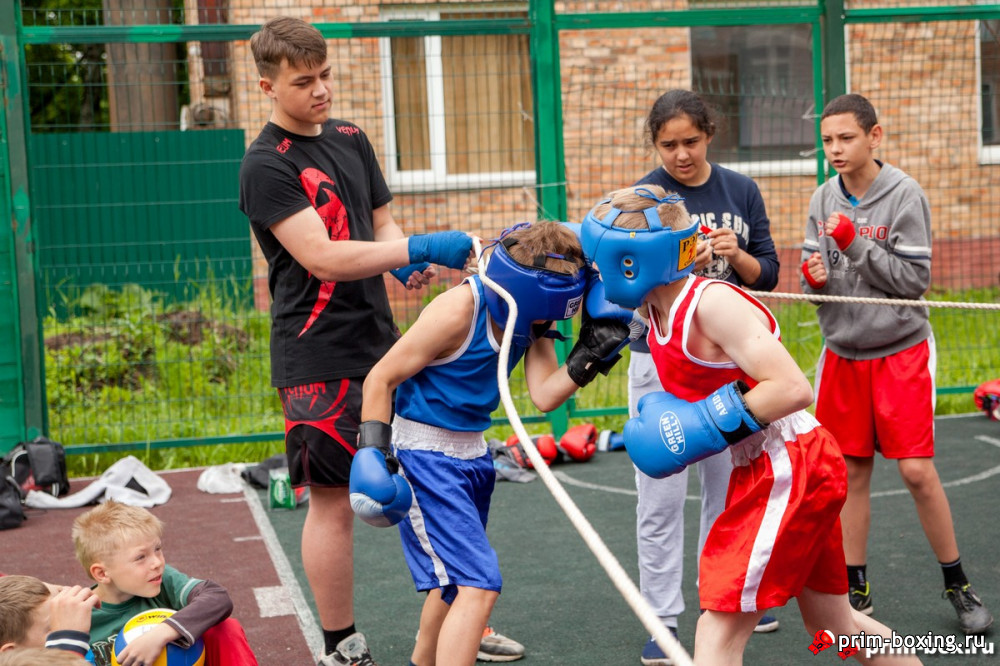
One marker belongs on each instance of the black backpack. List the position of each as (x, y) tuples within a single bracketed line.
[(11, 496), (37, 465)]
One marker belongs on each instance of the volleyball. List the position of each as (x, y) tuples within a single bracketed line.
[(172, 655)]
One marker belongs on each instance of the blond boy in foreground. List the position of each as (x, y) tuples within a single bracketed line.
[(121, 549)]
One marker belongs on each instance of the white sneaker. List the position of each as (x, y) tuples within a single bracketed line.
[(497, 647)]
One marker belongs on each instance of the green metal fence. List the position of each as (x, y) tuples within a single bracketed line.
[(135, 301), (91, 188)]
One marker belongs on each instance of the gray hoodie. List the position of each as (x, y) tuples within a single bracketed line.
[(890, 257)]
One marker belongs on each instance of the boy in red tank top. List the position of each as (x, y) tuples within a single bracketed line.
[(729, 383)]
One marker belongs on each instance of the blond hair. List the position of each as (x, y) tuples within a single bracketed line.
[(40, 657), (20, 597), (632, 203), (544, 239), (109, 527), (287, 39)]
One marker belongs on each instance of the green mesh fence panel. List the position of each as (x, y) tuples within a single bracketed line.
[(156, 209), (145, 269), (161, 337)]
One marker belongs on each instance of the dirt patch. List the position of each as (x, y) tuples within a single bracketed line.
[(190, 327), (63, 340)]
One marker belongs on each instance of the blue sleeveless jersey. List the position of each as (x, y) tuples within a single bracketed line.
[(460, 392)]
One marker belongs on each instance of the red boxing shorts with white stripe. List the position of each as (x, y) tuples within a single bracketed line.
[(780, 531)]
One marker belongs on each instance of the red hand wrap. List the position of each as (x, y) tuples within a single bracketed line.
[(810, 280), (843, 233)]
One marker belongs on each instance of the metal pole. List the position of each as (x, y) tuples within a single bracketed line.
[(22, 382), (550, 172)]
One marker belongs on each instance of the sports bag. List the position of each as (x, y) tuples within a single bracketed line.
[(38, 465), (11, 510)]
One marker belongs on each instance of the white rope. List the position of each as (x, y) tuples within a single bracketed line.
[(821, 298), (670, 645)]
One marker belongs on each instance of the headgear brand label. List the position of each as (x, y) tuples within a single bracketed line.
[(687, 251), (573, 306), (671, 432)]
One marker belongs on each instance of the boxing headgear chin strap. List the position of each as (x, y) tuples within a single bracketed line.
[(541, 294), (635, 261)]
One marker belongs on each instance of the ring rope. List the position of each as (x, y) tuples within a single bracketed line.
[(670, 645), (821, 298)]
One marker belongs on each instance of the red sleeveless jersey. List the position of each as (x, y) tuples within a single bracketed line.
[(780, 531), (680, 371)]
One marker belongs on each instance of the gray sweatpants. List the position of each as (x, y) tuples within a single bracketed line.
[(660, 511)]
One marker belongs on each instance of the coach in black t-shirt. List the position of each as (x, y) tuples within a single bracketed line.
[(319, 208)]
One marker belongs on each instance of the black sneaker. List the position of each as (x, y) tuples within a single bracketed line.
[(861, 598), (352, 651), (653, 655), (972, 614)]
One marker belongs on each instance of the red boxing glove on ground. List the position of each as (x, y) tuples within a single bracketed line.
[(987, 398), (579, 442), (546, 445), (843, 233)]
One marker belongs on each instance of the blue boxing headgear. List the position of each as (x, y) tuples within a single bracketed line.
[(541, 294), (635, 261)]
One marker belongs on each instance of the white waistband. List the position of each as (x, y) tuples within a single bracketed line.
[(407, 434), (783, 430)]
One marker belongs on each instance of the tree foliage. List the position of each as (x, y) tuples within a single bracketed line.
[(67, 82), (66, 88)]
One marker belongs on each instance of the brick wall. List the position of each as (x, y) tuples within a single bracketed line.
[(921, 77)]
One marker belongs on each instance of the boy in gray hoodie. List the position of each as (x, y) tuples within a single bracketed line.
[(869, 235)]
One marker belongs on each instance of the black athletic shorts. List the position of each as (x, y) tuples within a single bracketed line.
[(321, 430)]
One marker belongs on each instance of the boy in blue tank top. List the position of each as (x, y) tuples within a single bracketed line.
[(441, 477)]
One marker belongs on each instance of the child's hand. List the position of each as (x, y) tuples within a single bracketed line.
[(147, 648), (840, 228), (724, 243), (830, 223), (703, 255), (814, 271), (70, 608)]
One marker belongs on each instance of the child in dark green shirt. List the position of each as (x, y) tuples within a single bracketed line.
[(120, 547)]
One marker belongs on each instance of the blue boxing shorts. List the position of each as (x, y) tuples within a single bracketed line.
[(444, 535)]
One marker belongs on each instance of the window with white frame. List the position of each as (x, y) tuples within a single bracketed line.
[(761, 80), (459, 108)]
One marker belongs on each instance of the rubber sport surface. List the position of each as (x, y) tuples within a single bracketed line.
[(557, 600)]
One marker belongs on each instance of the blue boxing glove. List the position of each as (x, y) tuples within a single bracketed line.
[(403, 274), (446, 248), (670, 433), (379, 495)]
